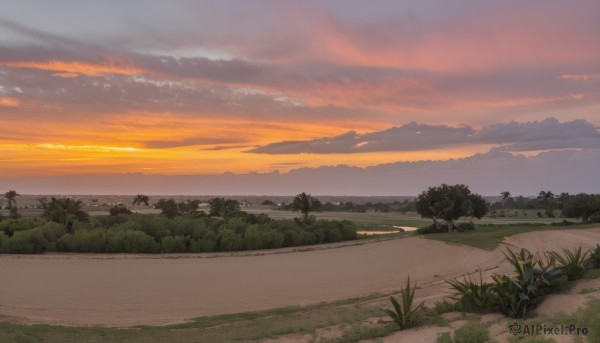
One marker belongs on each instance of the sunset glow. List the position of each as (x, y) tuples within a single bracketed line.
[(228, 88)]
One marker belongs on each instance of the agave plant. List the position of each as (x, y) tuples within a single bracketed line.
[(594, 257), (572, 262), (473, 296), (405, 314)]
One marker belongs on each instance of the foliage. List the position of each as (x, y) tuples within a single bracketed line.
[(444, 338), (141, 199), (11, 197), (594, 257), (535, 278), (572, 262), (64, 211), (405, 314), (473, 296), (449, 203), (471, 333), (305, 203), (168, 208), (581, 206), (119, 209), (150, 233)]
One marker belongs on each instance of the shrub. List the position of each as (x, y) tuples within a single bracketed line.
[(272, 240), (86, 241), (534, 279), (25, 242), (130, 242), (175, 244), (472, 333), (181, 226), (236, 225), (230, 241), (473, 296), (444, 306), (431, 229), (594, 257), (405, 314), (53, 231), (572, 262), (119, 209), (253, 239), (595, 217), (202, 245), (465, 226), (444, 338), (292, 237)]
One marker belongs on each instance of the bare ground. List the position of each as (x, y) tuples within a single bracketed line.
[(125, 290)]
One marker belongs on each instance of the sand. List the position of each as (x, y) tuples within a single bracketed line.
[(121, 290)]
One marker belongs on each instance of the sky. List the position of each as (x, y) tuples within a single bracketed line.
[(228, 91)]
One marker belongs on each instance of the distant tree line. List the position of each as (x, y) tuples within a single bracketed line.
[(180, 228)]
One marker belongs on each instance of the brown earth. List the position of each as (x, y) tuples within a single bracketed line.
[(125, 290)]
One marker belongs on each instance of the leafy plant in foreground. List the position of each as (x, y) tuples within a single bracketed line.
[(594, 257), (473, 296), (405, 314), (572, 262)]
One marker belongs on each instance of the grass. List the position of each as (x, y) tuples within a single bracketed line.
[(247, 326), (489, 237)]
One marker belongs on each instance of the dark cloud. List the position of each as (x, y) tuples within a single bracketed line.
[(513, 136)]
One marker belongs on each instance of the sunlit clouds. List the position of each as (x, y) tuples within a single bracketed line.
[(183, 87)]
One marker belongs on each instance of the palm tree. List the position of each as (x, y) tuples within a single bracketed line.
[(505, 197), (63, 211), (141, 199), (545, 197), (305, 203), (12, 203)]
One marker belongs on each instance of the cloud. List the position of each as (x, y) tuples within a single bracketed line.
[(558, 171), (7, 101), (512, 136), (167, 144)]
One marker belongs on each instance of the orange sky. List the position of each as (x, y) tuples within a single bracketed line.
[(193, 97)]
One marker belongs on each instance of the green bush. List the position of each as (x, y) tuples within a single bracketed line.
[(85, 241), (177, 244), (25, 242), (230, 241), (466, 226), (53, 231), (473, 296), (405, 313), (444, 338), (203, 245), (572, 262), (253, 239), (472, 333), (130, 242), (272, 240)]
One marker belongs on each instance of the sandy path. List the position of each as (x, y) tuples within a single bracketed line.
[(121, 291)]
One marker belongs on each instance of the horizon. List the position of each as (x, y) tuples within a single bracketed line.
[(228, 94)]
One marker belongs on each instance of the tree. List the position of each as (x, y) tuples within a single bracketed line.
[(168, 208), (188, 206), (141, 199), (448, 203), (11, 197), (305, 203), (505, 197), (581, 206), (63, 211), (545, 197), (224, 208), (119, 209)]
